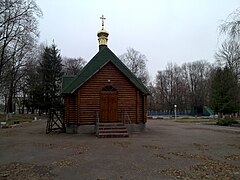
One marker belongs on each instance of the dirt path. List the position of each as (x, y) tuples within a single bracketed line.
[(166, 150)]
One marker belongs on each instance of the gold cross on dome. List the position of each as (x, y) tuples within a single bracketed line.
[(102, 18)]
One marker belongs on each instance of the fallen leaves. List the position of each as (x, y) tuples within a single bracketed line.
[(161, 156), (151, 147), (214, 169), (200, 147), (178, 174), (122, 144), (208, 169), (189, 155), (19, 170), (233, 157), (64, 163), (76, 148), (79, 150)]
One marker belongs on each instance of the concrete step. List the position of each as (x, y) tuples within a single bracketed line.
[(111, 130), (110, 124), (108, 130), (112, 135), (111, 127)]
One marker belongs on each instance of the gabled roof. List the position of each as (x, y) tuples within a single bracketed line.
[(66, 80), (104, 56)]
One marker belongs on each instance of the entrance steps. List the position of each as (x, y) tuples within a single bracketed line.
[(110, 130)]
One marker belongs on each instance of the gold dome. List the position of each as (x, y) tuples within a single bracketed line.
[(102, 31)]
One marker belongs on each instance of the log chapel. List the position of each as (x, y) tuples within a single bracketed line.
[(104, 91)]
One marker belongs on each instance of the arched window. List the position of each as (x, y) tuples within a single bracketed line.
[(108, 88)]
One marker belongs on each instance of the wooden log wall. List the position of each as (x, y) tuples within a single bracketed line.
[(141, 108), (70, 109), (87, 98)]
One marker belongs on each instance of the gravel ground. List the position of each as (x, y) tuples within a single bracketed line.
[(165, 150)]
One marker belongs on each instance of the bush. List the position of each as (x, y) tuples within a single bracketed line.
[(2, 117), (226, 121)]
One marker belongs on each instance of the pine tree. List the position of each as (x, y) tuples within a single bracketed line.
[(51, 71), (224, 92), (33, 86)]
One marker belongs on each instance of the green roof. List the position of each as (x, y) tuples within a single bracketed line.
[(105, 55), (66, 80)]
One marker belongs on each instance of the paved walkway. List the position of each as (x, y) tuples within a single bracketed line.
[(166, 150)]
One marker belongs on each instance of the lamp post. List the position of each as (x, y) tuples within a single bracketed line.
[(175, 112)]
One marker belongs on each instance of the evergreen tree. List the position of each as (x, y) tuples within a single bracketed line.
[(51, 72), (224, 92), (33, 86)]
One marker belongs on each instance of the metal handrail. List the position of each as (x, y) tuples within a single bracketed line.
[(97, 122), (126, 116)]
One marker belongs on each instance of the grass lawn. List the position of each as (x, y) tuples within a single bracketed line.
[(195, 120), (17, 118)]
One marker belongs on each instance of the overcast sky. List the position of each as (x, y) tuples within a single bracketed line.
[(165, 31)]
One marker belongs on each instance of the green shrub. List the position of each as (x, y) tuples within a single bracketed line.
[(2, 117), (227, 121)]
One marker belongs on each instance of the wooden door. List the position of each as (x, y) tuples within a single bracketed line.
[(108, 106)]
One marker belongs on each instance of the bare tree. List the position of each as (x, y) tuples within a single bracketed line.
[(170, 88), (152, 100), (229, 55), (72, 66), (18, 27), (231, 25), (18, 32), (196, 76), (136, 62), (186, 86)]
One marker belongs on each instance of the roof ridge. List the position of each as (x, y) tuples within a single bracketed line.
[(94, 65)]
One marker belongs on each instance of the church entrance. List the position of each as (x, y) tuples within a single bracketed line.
[(108, 104)]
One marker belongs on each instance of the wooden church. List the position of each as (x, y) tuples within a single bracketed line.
[(104, 92)]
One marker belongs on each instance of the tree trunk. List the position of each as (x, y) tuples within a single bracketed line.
[(22, 109), (39, 111), (10, 101)]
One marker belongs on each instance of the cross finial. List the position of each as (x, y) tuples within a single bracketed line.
[(102, 18)]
